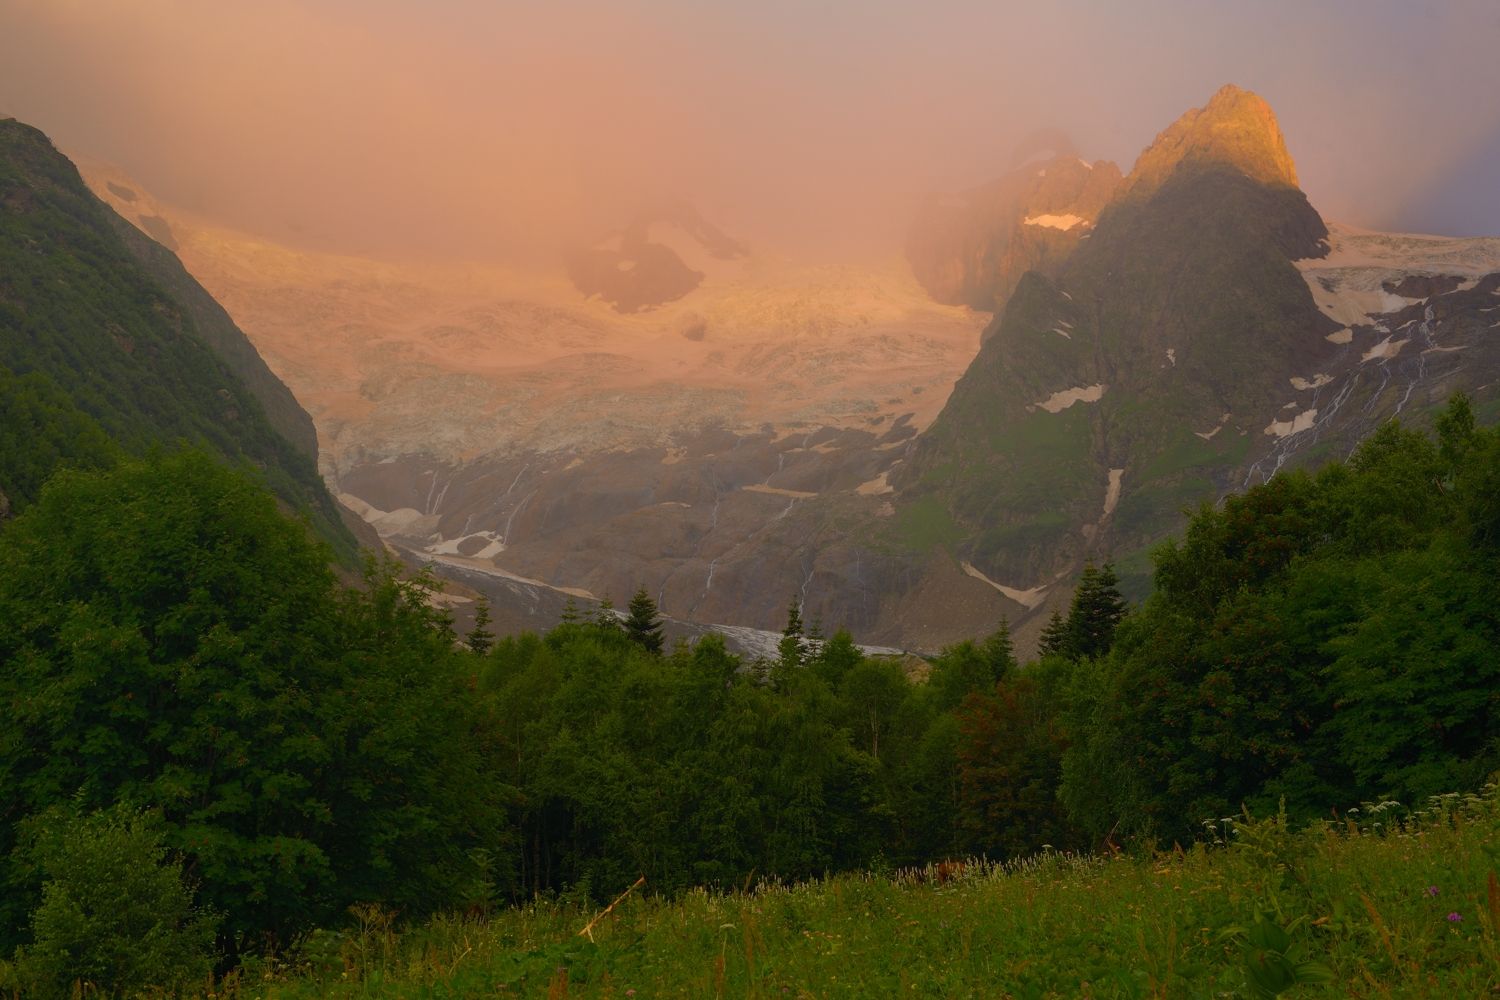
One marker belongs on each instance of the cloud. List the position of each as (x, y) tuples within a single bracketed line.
[(469, 128)]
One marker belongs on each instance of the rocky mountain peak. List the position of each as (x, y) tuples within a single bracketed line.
[(1236, 129)]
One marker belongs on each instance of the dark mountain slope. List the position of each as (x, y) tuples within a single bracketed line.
[(105, 330), (1097, 408)]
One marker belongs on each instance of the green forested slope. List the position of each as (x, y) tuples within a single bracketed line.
[(124, 342)]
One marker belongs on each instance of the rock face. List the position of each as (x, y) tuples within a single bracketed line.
[(1236, 130), (972, 248), (647, 265), (1211, 332), (798, 432)]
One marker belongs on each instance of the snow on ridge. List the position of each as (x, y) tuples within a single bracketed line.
[(1317, 381), (1063, 222), (1286, 428), (1383, 350), (1112, 492), (1209, 435), (1059, 401), (1026, 598)]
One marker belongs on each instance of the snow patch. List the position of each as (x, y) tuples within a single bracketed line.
[(778, 491), (1317, 381), (1112, 494), (1063, 222), (1061, 332), (1059, 401), (1209, 435), (875, 487), (1340, 336), (1172, 356), (1387, 348), (1028, 599), (1286, 428), (450, 546)]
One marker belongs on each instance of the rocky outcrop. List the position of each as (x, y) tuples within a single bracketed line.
[(643, 266), (972, 248), (1137, 378), (1236, 130)]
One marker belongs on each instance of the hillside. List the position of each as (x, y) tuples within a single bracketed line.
[(834, 432), (1201, 338), (110, 346), (1404, 908)]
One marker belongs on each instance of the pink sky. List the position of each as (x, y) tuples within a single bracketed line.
[(484, 128)]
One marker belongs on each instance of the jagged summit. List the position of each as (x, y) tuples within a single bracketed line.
[(971, 248), (1236, 129)]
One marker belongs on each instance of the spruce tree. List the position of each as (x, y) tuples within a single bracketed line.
[(570, 614), (1056, 638), (643, 624), (480, 638), (606, 617), (999, 652), (793, 648), (1096, 612)]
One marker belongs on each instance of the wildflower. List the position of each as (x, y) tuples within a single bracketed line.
[(1455, 918), (1432, 890)]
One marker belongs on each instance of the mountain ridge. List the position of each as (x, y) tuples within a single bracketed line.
[(107, 330)]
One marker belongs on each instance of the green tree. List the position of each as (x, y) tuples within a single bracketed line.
[(1056, 638), (793, 646), (116, 914), (173, 641), (643, 624), (1096, 612), (480, 639)]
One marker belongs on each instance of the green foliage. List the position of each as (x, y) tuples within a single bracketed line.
[(480, 639), (96, 348), (792, 650), (116, 915), (41, 430), (172, 641), (643, 624), (1328, 639), (1348, 911), (1096, 612)]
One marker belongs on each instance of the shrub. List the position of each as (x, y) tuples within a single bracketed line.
[(116, 915)]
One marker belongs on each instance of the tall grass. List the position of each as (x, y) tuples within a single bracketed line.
[(1384, 903)]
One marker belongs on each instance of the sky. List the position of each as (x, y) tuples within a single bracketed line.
[(510, 128)]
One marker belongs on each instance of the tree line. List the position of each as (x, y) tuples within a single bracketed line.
[(187, 685)]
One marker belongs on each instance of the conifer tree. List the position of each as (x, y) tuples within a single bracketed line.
[(999, 652), (1096, 611), (606, 617), (643, 624), (815, 637), (570, 614), (480, 638), (1056, 639), (793, 648)]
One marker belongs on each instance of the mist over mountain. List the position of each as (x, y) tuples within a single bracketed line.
[(693, 412)]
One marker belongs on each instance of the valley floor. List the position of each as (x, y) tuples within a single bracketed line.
[(1373, 906)]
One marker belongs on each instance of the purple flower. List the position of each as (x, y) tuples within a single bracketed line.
[(1432, 890), (1455, 918)]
